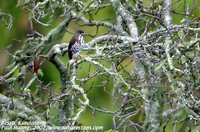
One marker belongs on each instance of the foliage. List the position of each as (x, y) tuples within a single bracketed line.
[(138, 70)]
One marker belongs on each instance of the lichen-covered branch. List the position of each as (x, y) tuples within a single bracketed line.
[(130, 21), (137, 70), (11, 104)]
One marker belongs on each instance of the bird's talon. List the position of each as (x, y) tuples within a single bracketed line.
[(82, 56)]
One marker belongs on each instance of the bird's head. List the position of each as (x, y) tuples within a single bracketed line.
[(79, 31)]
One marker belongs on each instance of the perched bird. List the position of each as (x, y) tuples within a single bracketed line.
[(75, 45)]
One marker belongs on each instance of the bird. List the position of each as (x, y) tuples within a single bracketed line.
[(74, 47)]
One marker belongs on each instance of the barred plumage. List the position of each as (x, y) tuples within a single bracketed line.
[(75, 44)]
